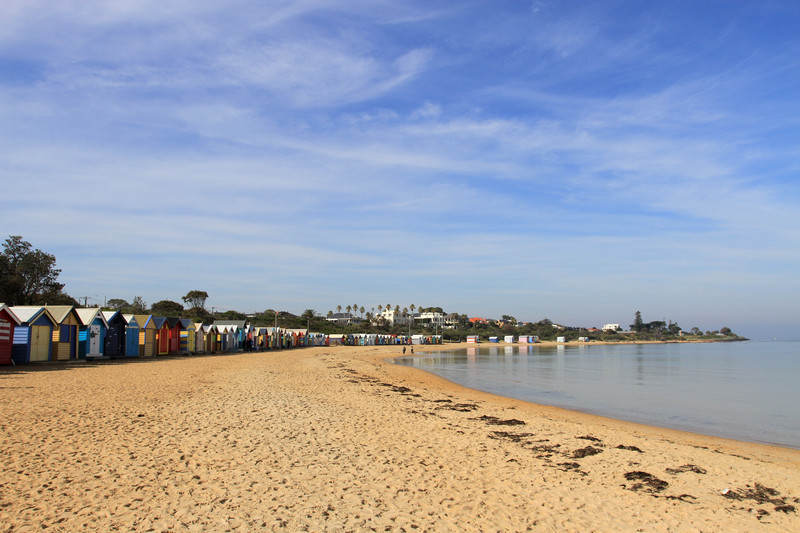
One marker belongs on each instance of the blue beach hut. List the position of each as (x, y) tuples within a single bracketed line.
[(33, 335), (91, 332)]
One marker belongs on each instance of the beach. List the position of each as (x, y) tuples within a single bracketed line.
[(337, 439)]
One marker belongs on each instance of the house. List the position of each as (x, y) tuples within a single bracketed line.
[(91, 332), (34, 334), (8, 321), (611, 327), (65, 335)]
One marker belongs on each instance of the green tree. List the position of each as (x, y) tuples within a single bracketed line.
[(27, 276), (195, 298), (637, 325), (167, 308), (308, 315), (725, 331), (117, 304), (138, 305)]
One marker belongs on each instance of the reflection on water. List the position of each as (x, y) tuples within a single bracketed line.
[(743, 390)]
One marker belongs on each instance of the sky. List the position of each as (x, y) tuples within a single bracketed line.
[(572, 160)]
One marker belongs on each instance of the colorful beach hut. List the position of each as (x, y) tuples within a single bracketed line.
[(65, 335), (162, 335), (122, 335), (33, 336), (91, 332), (188, 340), (174, 335), (8, 321), (148, 339)]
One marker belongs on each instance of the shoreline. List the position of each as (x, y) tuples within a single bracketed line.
[(447, 347), (339, 439)]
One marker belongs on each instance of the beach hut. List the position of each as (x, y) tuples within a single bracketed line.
[(114, 345), (127, 329), (561, 339), (33, 336), (199, 338), (508, 338), (174, 335), (147, 334), (472, 339), (65, 335), (8, 321), (188, 340), (494, 339), (91, 332), (162, 335)]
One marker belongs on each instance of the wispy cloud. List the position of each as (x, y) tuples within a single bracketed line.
[(540, 159)]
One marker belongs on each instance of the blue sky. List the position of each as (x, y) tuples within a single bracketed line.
[(574, 160)]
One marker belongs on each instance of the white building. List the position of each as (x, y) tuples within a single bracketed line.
[(611, 327)]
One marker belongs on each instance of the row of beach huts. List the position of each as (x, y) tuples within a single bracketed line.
[(30, 334)]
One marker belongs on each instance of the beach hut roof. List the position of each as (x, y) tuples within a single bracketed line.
[(173, 321), (185, 322), (4, 307), (88, 315), (109, 315), (29, 313), (143, 320), (159, 321), (59, 312), (236, 323)]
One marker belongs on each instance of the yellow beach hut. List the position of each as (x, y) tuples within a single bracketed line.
[(65, 335), (147, 334)]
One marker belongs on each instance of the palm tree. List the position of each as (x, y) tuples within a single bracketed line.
[(412, 307), (380, 308), (355, 308), (308, 314), (348, 309), (361, 310), (339, 309)]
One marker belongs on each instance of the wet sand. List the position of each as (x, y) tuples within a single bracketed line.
[(335, 439)]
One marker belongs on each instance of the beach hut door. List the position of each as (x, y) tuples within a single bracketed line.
[(94, 339)]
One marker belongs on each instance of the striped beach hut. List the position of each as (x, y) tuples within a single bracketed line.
[(147, 334), (34, 334), (65, 336), (91, 332), (188, 339), (8, 321)]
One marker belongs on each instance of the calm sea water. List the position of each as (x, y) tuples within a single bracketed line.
[(742, 390)]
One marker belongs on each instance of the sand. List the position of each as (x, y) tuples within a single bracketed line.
[(334, 439)]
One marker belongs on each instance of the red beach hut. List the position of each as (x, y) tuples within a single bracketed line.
[(7, 323)]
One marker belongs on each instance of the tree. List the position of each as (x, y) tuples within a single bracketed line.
[(138, 305), (412, 307), (167, 308), (696, 331), (361, 310), (195, 298), (637, 325), (117, 304), (308, 314), (27, 276), (725, 331)]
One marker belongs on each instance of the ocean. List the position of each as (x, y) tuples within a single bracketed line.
[(747, 391)]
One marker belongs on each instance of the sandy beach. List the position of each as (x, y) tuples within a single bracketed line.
[(335, 439)]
